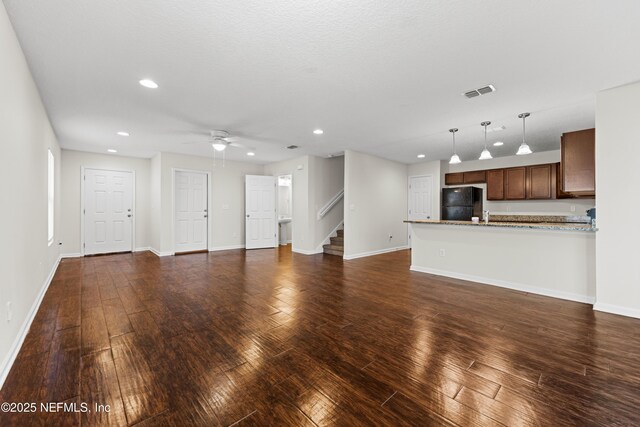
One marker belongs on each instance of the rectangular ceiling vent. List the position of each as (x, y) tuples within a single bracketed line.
[(292, 147), (481, 91)]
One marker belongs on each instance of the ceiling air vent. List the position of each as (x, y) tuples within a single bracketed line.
[(481, 91), (292, 147)]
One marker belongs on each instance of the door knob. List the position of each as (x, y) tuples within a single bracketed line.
[(129, 215), (205, 215), (247, 215)]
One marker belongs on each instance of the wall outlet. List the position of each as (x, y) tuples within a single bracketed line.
[(390, 236), (442, 252), (9, 311)]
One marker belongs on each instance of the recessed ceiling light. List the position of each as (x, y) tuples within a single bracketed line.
[(498, 143), (318, 131), (251, 153), (422, 156), (149, 84), (111, 150), (121, 133)]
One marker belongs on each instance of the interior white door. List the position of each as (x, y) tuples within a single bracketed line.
[(420, 197), (191, 216), (260, 210), (108, 211)]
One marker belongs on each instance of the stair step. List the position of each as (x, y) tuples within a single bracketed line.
[(337, 241), (334, 247), (340, 233), (331, 252)]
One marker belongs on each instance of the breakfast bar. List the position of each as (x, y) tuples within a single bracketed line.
[(545, 258)]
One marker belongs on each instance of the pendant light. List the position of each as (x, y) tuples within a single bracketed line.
[(524, 148), (485, 155), (454, 158)]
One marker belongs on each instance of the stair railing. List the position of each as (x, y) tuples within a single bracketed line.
[(330, 204)]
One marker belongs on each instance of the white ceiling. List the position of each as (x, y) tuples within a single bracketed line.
[(383, 77)]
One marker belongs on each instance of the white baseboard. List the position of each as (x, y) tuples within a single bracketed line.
[(616, 309), (378, 252), (225, 248), (7, 363), (509, 285), (146, 248), (305, 252), (71, 255), (160, 254), (288, 242)]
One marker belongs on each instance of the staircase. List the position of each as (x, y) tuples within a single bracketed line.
[(336, 247)]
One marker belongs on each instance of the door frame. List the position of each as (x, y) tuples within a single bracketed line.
[(278, 207), (82, 207), (277, 210), (173, 207), (409, 201)]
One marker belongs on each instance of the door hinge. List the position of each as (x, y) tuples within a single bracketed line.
[(84, 178), (409, 210), (84, 245), (84, 211)]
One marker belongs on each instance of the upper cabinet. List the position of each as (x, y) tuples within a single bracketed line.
[(454, 178), (541, 181), (578, 163), (515, 183), (495, 184)]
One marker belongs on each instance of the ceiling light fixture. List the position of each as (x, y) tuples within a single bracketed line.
[(498, 143), (122, 133), (485, 155), (111, 150), (422, 156), (454, 158), (524, 148), (318, 132), (148, 83), (218, 145), (251, 153)]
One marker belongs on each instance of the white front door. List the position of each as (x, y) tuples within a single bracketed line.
[(108, 211), (191, 216), (260, 212)]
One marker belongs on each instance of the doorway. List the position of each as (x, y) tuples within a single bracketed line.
[(107, 208), (191, 213), (285, 208)]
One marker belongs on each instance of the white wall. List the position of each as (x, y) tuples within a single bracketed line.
[(226, 198), (72, 162), (375, 205), (27, 262), (618, 204), (301, 234), (549, 207), (430, 168)]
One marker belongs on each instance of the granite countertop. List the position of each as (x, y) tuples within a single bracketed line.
[(561, 226)]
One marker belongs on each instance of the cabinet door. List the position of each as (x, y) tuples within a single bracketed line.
[(579, 162), (495, 184), (515, 182), (541, 180), (474, 177), (454, 178)]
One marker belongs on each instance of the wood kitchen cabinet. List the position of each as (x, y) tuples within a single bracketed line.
[(454, 178), (578, 162), (475, 177), (541, 181), (495, 184), (515, 183)]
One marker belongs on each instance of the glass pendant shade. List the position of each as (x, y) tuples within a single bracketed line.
[(524, 148), (454, 158), (485, 155)]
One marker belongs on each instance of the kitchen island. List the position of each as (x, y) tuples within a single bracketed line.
[(552, 259)]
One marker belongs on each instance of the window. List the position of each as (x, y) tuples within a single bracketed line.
[(50, 193)]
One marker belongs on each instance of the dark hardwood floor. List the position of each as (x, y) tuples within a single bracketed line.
[(268, 337)]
